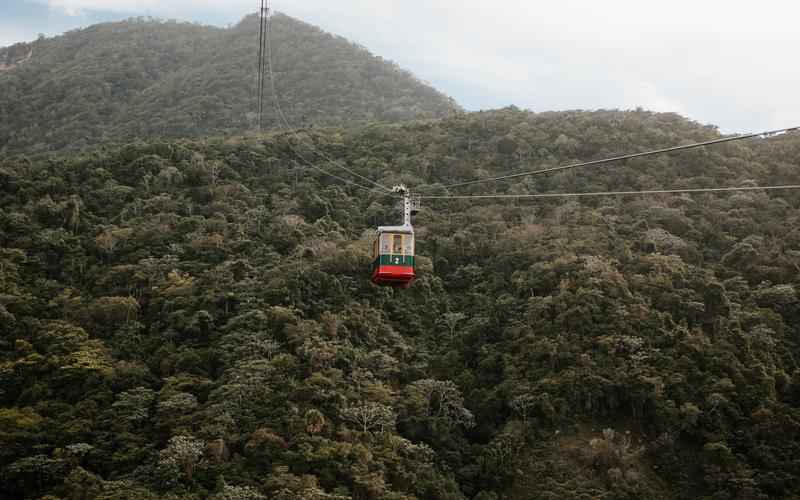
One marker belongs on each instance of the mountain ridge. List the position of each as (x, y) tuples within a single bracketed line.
[(116, 82)]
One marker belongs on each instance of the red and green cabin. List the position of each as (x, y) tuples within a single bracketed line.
[(393, 254)]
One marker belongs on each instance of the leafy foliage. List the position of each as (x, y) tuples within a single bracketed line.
[(192, 319)]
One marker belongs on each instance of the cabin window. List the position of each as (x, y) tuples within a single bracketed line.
[(409, 245), (397, 244), (386, 244)]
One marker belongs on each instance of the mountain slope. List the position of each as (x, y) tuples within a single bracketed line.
[(185, 319), (11, 57), (115, 82)]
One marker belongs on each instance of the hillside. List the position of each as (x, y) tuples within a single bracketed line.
[(192, 319), (116, 82), (11, 57)]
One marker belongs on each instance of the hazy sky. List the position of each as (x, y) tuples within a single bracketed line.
[(726, 62)]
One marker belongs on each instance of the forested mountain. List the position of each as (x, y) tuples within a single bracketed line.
[(192, 319), (116, 82)]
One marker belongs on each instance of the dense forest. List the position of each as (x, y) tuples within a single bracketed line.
[(187, 319), (143, 78)]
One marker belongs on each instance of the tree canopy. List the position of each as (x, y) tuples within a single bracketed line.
[(193, 318)]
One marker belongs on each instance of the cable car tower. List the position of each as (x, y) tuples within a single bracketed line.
[(393, 249)]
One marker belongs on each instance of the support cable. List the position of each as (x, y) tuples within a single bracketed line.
[(260, 76), (613, 193), (285, 121), (265, 51), (614, 159), (263, 64)]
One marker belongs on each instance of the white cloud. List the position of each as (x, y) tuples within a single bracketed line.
[(166, 8), (711, 60), (76, 7), (714, 60)]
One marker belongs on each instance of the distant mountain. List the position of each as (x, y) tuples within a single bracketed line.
[(141, 78)]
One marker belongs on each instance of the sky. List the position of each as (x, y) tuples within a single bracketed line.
[(728, 63)]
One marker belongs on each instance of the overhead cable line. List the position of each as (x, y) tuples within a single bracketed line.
[(263, 64), (283, 122), (612, 193), (614, 159), (265, 51), (263, 12), (346, 181)]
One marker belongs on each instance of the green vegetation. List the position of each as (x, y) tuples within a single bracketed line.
[(140, 79), (184, 319)]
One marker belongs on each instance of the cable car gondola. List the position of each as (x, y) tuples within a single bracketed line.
[(393, 248)]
